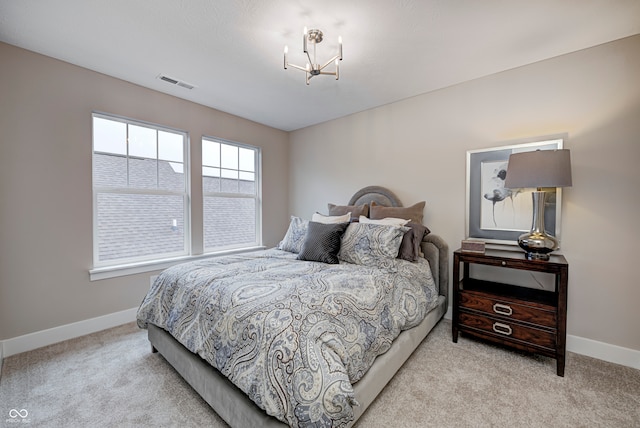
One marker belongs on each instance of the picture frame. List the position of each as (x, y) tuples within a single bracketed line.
[(497, 215)]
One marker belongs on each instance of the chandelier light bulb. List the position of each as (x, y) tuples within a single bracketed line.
[(304, 40), (286, 50)]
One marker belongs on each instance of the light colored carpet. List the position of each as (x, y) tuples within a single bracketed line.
[(111, 378)]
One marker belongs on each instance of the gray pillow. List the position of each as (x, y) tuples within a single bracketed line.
[(294, 238), (415, 212), (355, 210), (322, 242), (410, 246)]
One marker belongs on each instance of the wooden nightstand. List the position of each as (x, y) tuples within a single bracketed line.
[(528, 319)]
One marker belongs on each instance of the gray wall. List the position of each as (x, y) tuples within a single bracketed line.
[(45, 185), (417, 148)]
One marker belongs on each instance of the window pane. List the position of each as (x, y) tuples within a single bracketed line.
[(228, 185), (139, 225), (142, 142), (170, 146), (247, 159), (229, 173), (177, 167), (210, 153), (143, 173), (247, 187), (229, 156), (210, 172), (229, 222), (247, 176), (210, 184), (171, 176), (109, 171), (109, 136)]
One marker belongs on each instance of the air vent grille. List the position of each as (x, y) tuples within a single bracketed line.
[(185, 85), (168, 79), (175, 81)]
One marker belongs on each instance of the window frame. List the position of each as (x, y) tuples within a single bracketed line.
[(257, 196), (99, 267)]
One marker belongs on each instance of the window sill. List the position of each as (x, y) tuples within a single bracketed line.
[(150, 266)]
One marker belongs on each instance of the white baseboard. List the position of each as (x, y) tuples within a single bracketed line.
[(604, 351), (449, 314), (600, 350), (50, 336)]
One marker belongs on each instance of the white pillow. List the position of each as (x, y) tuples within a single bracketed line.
[(328, 219), (387, 221)]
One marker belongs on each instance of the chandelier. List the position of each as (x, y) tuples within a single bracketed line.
[(313, 68)]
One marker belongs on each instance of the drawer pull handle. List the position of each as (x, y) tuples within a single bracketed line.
[(501, 309), (498, 327)]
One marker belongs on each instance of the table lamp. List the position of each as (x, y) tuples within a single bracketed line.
[(539, 169)]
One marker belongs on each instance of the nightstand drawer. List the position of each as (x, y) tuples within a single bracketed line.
[(508, 308), (508, 330)]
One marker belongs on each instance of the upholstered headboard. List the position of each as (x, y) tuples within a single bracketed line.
[(435, 249), (377, 194)]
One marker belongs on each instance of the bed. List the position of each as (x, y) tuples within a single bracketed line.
[(310, 378)]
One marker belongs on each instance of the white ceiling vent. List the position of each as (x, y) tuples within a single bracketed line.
[(175, 81)]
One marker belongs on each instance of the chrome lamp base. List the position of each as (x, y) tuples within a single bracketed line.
[(537, 246), (537, 243)]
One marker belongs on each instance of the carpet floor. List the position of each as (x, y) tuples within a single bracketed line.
[(111, 378)]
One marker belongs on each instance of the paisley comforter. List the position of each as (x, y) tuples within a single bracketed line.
[(293, 335)]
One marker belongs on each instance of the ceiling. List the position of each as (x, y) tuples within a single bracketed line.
[(232, 51)]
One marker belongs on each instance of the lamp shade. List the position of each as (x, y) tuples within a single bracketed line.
[(540, 168)]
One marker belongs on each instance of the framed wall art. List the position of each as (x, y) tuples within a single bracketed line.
[(499, 215)]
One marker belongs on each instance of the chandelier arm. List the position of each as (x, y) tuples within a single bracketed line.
[(329, 73), (298, 67), (330, 61)]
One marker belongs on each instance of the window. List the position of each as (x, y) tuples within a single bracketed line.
[(140, 191), (231, 195)]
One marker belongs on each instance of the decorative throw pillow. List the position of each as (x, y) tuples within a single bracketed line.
[(322, 242), (410, 245), (355, 210), (327, 219), (371, 244), (294, 238), (415, 212), (387, 221)]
